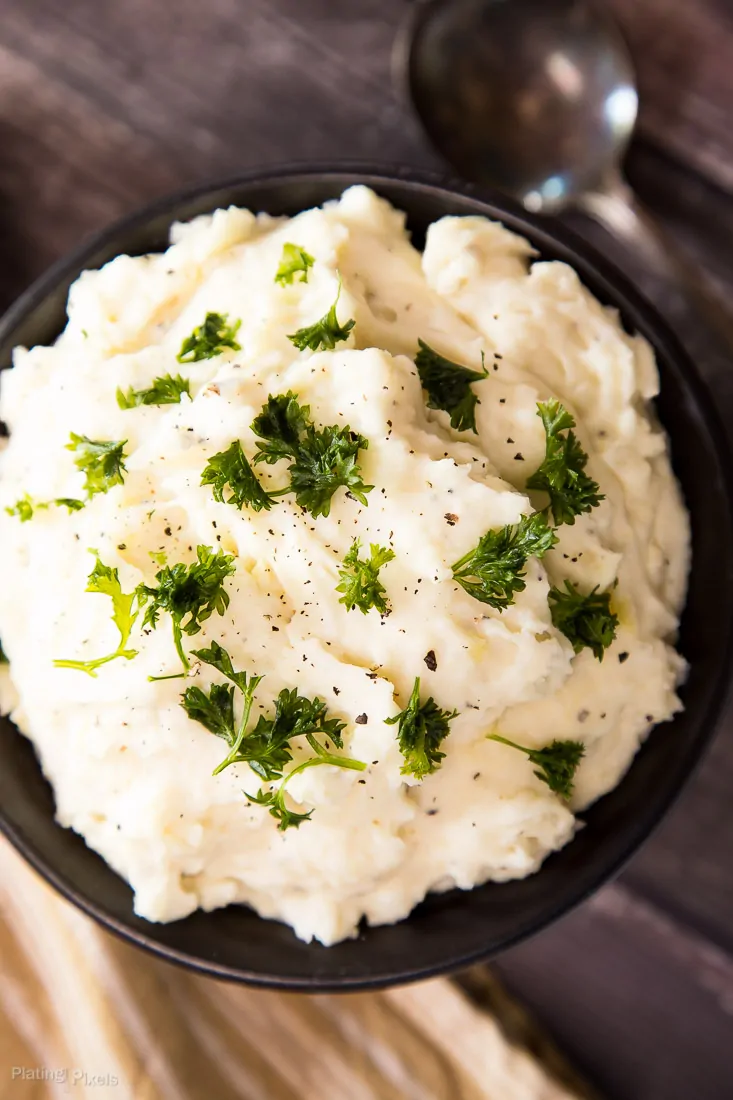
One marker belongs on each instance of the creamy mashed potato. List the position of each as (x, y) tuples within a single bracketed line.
[(132, 772)]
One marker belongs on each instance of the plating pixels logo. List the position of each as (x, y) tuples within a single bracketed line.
[(82, 1078)]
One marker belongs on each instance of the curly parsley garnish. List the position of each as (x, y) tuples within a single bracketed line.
[(422, 728), (448, 386), (562, 474), (493, 572), (101, 461), (165, 390), (211, 338), (586, 621), (360, 581), (105, 580), (274, 799), (230, 467), (190, 594), (215, 710), (26, 506), (555, 765), (267, 747), (325, 334), (295, 261), (322, 459)]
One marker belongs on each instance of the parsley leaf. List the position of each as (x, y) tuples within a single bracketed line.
[(213, 709), (231, 468), (165, 390), (105, 580), (281, 424), (493, 572), (216, 711), (274, 799), (101, 461), (190, 594), (422, 728), (584, 620), (556, 764), (211, 338), (25, 507), (360, 581), (448, 386), (266, 748), (562, 474), (322, 459), (295, 261), (325, 334)]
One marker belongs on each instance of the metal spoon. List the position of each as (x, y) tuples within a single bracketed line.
[(538, 99)]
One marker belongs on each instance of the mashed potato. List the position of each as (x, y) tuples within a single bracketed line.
[(132, 772)]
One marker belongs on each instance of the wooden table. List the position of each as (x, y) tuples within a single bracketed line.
[(106, 105)]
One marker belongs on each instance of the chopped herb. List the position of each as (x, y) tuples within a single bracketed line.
[(3, 657), (493, 572), (25, 507), (586, 621), (556, 764), (211, 338), (105, 580), (325, 334), (274, 799), (101, 461), (231, 468), (190, 594), (295, 261), (562, 474), (360, 581), (216, 711), (422, 727), (323, 459), (267, 747), (165, 390), (448, 386)]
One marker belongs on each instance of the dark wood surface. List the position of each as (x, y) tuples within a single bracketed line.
[(106, 105)]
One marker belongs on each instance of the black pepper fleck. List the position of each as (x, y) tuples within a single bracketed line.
[(623, 657), (361, 719), (430, 660)]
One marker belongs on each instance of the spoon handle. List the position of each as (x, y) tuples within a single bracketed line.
[(678, 280)]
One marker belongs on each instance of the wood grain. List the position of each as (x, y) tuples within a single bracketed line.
[(74, 998), (683, 56), (104, 106)]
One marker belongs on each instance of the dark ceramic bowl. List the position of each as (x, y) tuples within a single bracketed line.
[(453, 930)]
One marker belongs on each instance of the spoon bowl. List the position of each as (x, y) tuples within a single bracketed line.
[(534, 97)]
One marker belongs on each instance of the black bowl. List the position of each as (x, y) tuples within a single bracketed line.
[(453, 930)]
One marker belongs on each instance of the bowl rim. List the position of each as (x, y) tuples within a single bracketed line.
[(626, 296)]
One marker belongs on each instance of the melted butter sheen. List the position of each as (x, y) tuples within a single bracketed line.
[(131, 772)]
